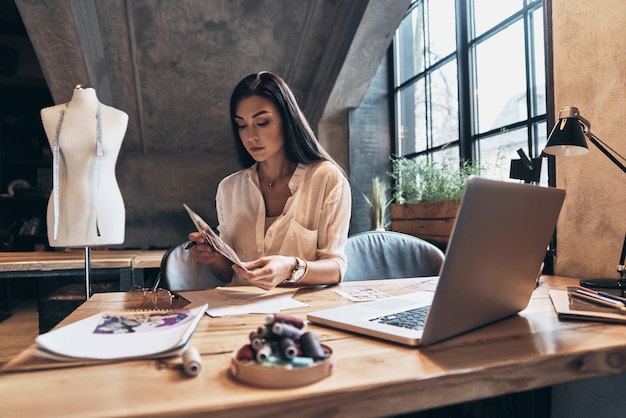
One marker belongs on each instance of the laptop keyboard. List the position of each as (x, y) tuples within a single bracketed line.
[(412, 319)]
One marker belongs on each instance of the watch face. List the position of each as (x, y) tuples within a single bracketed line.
[(297, 273)]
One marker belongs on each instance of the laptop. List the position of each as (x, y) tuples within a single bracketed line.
[(492, 264)]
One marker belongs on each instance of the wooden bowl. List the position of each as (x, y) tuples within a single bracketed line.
[(279, 376)]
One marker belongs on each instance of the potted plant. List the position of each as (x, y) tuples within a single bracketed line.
[(378, 204), (427, 195)]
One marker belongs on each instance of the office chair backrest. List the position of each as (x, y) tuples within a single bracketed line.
[(179, 271), (390, 255)]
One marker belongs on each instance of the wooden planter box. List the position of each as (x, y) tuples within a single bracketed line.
[(432, 221)]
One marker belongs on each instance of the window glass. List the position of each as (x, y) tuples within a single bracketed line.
[(488, 13), (541, 135), (412, 112), (448, 156), (441, 29), (500, 94), (445, 104), (497, 151), (410, 45)]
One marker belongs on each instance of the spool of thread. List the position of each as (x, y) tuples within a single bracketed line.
[(253, 335), (264, 353), (255, 341), (265, 332), (288, 348), (286, 330), (311, 346), (192, 362), (277, 317), (246, 353), (301, 361)]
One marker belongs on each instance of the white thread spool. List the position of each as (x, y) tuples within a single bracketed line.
[(192, 362)]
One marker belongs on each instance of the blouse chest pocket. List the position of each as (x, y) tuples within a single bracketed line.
[(299, 241)]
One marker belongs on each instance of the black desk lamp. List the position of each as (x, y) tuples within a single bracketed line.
[(525, 168), (568, 139)]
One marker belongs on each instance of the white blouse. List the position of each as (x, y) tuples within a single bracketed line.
[(314, 223)]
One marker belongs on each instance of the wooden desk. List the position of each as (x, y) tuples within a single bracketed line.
[(372, 378), (64, 260), (144, 260), (58, 263), (34, 264)]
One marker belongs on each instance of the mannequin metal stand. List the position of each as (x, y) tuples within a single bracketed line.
[(87, 273)]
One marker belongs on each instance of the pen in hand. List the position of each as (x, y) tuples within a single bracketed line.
[(191, 244)]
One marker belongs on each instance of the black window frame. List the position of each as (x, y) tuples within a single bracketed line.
[(468, 139)]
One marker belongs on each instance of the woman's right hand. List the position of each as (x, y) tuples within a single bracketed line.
[(201, 251)]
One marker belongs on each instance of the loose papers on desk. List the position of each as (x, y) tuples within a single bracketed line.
[(360, 293), (122, 335), (241, 300)]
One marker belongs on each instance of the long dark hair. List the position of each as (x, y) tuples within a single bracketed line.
[(301, 145)]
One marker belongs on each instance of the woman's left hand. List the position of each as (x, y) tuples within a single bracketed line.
[(267, 272)]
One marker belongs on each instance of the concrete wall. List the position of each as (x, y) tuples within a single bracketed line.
[(590, 73), (370, 145)]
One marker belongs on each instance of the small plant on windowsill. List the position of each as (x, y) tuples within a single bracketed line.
[(427, 194), (378, 204), (430, 181)]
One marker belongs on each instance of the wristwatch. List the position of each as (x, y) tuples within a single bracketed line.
[(298, 273)]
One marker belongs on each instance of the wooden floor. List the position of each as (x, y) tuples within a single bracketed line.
[(20, 330)]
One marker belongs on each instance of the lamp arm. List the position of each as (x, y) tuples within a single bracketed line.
[(603, 148)]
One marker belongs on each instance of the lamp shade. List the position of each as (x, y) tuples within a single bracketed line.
[(567, 137)]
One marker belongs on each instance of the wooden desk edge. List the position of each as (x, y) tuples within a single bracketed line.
[(148, 259)]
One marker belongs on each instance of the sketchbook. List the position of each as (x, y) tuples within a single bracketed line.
[(122, 335), (568, 307), (213, 239)]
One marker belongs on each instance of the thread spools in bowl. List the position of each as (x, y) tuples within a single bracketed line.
[(282, 353)]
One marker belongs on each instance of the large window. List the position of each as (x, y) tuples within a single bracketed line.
[(469, 81)]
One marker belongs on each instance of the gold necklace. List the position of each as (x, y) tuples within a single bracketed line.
[(271, 182)]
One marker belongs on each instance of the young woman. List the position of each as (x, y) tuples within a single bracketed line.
[(287, 212)]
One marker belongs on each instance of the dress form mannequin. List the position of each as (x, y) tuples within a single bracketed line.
[(86, 206)]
